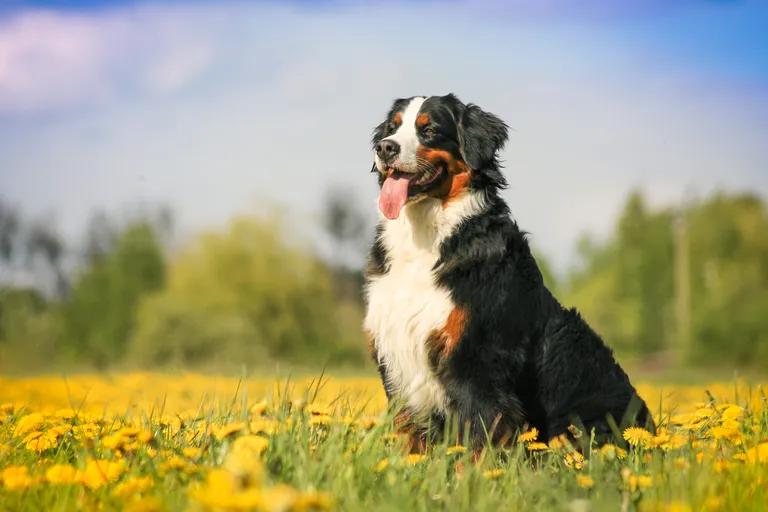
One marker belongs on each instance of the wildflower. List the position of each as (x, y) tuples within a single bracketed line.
[(258, 409), (313, 501), (637, 436), (61, 474), (28, 423), (611, 452), (245, 466), (263, 426), (530, 435), (40, 441), (100, 472), (132, 486), (191, 452), (680, 463), (415, 458), (16, 478), (320, 420), (255, 444), (493, 474), (381, 466), (536, 446), (758, 453), (574, 460), (452, 450), (584, 481), (227, 430)]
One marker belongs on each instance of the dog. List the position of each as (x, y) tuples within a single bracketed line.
[(459, 321)]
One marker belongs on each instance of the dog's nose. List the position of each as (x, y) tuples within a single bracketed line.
[(387, 149)]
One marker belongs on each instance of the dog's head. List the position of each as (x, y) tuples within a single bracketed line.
[(437, 147)]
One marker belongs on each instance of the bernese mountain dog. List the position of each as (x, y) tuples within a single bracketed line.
[(460, 323)]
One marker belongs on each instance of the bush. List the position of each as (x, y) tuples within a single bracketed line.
[(245, 295)]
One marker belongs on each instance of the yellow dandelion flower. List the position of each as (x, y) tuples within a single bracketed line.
[(381, 466), (16, 478), (637, 436), (681, 463), (28, 423), (320, 420), (280, 497), (264, 426), (493, 474), (245, 466), (677, 506), (536, 447), (258, 409), (191, 452), (585, 481), (453, 450), (415, 458), (40, 441), (612, 452), (758, 453), (132, 486), (255, 444), (97, 473), (313, 501), (61, 474), (530, 435), (227, 430), (574, 460)]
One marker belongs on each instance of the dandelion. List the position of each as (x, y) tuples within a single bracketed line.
[(574, 460), (585, 481), (381, 466), (97, 473), (637, 436), (456, 449), (16, 478), (414, 458), (40, 441), (227, 430), (612, 452), (132, 486), (61, 474), (191, 452), (758, 453), (258, 409), (320, 420), (530, 435), (536, 447), (493, 474), (313, 501), (255, 444), (28, 423)]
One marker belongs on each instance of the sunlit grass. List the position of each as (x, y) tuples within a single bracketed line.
[(169, 442)]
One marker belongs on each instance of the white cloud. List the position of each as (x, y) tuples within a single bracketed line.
[(214, 107)]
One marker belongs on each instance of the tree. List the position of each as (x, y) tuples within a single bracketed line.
[(100, 315), (244, 295)]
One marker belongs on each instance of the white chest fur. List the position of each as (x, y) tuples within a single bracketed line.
[(405, 305)]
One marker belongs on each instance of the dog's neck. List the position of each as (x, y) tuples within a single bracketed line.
[(423, 226)]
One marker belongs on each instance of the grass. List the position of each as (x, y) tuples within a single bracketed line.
[(192, 442)]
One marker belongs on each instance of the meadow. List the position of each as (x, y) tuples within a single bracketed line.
[(146, 441)]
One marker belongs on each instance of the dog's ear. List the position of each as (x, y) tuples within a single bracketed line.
[(481, 136)]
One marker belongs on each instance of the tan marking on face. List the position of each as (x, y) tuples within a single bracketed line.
[(397, 119), (422, 120)]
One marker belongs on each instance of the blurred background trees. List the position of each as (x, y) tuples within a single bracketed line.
[(686, 284)]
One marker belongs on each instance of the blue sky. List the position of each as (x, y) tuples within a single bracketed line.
[(217, 108)]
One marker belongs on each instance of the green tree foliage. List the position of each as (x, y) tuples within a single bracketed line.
[(99, 316), (626, 287), (246, 295), (28, 330)]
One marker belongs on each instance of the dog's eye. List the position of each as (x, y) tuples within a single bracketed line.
[(391, 127), (428, 131)]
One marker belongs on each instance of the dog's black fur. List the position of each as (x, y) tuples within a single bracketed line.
[(523, 360)]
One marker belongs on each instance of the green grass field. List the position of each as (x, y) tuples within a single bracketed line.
[(147, 442)]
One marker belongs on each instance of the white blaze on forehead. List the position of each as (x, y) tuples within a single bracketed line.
[(406, 135)]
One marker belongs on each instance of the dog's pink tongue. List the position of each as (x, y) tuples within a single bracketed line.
[(394, 194)]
